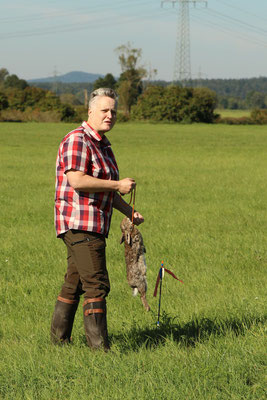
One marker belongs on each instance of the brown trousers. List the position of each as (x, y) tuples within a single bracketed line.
[(86, 272)]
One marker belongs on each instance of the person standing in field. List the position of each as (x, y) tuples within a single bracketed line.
[(87, 190)]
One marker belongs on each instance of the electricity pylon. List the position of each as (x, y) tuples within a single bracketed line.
[(182, 62)]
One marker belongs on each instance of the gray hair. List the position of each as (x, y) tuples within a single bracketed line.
[(102, 92)]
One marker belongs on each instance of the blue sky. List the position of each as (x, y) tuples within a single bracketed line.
[(39, 38)]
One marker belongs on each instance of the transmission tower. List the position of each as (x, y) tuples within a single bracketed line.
[(182, 62), (55, 81)]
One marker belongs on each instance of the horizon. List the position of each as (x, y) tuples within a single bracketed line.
[(153, 80)]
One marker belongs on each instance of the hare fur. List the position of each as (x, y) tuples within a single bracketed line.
[(135, 259)]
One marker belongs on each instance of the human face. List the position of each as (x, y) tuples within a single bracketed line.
[(102, 114)]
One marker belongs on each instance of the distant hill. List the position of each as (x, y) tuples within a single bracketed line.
[(70, 77)]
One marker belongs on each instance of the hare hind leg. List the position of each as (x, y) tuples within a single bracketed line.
[(145, 303)]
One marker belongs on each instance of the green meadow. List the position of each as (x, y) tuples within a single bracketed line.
[(203, 192), (233, 113)]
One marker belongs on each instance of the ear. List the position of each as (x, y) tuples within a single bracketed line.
[(122, 239), (129, 239)]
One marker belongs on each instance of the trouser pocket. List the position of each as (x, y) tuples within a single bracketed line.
[(87, 239)]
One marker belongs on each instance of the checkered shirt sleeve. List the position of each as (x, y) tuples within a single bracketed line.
[(75, 154)]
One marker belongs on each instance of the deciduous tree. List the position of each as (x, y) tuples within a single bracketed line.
[(130, 81), (107, 82), (15, 82), (3, 74)]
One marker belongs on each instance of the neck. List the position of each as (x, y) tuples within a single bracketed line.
[(100, 133)]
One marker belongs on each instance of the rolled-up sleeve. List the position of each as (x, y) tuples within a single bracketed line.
[(75, 154)]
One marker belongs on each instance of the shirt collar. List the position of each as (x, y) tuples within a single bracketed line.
[(94, 134)]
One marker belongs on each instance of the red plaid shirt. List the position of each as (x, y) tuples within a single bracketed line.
[(84, 150)]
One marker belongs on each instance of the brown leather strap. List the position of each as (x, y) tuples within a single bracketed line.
[(133, 192), (95, 300), (94, 311), (63, 300)]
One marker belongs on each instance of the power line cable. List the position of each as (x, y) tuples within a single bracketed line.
[(73, 12), (242, 10), (106, 22), (236, 20), (74, 27), (230, 31)]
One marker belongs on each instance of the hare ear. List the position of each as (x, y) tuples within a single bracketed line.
[(122, 239), (128, 239)]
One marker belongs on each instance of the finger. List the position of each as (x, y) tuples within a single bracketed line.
[(138, 215), (138, 218)]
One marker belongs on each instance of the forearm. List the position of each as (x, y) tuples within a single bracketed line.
[(122, 206), (93, 185), (87, 183)]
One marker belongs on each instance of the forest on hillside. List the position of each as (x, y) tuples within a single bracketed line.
[(231, 93)]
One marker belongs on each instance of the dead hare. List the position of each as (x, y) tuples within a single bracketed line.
[(135, 259)]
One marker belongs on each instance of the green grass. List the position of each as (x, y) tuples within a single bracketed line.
[(233, 113), (202, 190)]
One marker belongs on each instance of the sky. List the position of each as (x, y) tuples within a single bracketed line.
[(41, 38)]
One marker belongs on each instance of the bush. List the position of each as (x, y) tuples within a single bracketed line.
[(202, 106), (81, 114), (68, 113), (29, 115), (176, 104), (122, 117), (69, 98), (259, 116), (9, 115), (3, 101), (148, 104)]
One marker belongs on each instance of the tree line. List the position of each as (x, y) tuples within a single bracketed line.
[(243, 94), (140, 97), (236, 93)]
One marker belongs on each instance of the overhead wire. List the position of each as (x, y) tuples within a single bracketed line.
[(108, 20), (225, 26), (95, 23), (236, 21), (230, 27), (242, 10), (228, 31), (73, 12)]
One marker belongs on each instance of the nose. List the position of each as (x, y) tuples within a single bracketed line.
[(109, 114)]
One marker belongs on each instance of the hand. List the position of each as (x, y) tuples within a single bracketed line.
[(126, 185), (138, 218)]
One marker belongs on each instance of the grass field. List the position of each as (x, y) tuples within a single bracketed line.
[(233, 113), (202, 190)]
